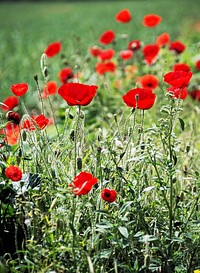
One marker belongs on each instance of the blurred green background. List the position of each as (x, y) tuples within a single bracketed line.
[(26, 28)]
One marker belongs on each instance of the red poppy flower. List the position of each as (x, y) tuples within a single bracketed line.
[(181, 67), (106, 54), (77, 93), (140, 98), (150, 53), (102, 68), (134, 45), (126, 54), (95, 51), (177, 47), (13, 117), (19, 89), (107, 37), (14, 173), (197, 65), (108, 195), (124, 16), (195, 94), (11, 103), (11, 133), (149, 81), (83, 183), (179, 93), (163, 39), (178, 79), (39, 122), (49, 89), (151, 20), (65, 74), (53, 49)]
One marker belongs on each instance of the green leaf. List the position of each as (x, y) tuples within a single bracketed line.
[(182, 123), (123, 231)]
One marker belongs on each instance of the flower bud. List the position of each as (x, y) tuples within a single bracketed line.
[(13, 117)]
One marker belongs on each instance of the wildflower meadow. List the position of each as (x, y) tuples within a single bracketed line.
[(99, 156)]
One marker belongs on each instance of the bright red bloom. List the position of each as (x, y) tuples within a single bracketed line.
[(177, 47), (139, 98), (179, 93), (53, 49), (197, 65), (102, 68), (19, 89), (150, 53), (195, 94), (11, 102), (108, 195), (149, 81), (124, 16), (83, 183), (95, 51), (39, 122), (126, 54), (13, 117), (178, 79), (163, 39), (134, 45), (181, 67), (77, 93), (151, 20), (11, 133), (49, 89), (107, 37), (106, 54), (65, 74), (14, 173)]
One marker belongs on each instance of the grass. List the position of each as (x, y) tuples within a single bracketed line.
[(149, 158)]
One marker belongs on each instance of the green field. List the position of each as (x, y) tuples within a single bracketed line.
[(27, 28)]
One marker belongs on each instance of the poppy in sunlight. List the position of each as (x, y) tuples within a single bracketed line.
[(108, 195), (151, 20), (107, 37), (33, 123), (149, 81), (11, 133), (11, 102), (53, 49), (150, 53), (134, 45), (83, 183), (65, 74), (77, 93), (177, 46), (19, 89), (163, 39), (181, 67), (178, 79), (102, 68), (106, 54), (197, 65), (179, 93), (139, 98), (95, 51), (49, 89), (14, 173), (126, 54), (195, 94), (124, 16)]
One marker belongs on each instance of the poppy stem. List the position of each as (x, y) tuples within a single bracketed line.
[(76, 140)]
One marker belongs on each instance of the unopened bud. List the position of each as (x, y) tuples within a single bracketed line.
[(13, 117)]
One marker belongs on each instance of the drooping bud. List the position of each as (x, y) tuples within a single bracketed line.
[(13, 117)]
